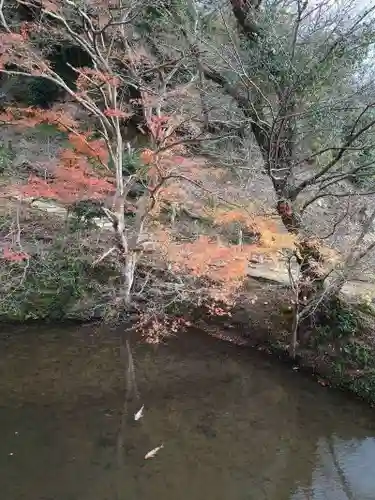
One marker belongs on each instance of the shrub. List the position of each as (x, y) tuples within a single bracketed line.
[(54, 285)]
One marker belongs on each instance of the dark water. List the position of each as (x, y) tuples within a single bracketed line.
[(234, 426)]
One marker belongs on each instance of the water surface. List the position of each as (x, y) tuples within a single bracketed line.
[(234, 425)]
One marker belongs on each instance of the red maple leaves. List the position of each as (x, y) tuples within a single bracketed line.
[(117, 113), (74, 176), (77, 176), (72, 180), (11, 255)]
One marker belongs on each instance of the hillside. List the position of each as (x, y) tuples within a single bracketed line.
[(37, 225), (186, 161)]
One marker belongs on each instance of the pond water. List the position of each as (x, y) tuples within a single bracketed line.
[(234, 425)]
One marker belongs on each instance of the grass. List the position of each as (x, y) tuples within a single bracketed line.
[(45, 131), (6, 157)]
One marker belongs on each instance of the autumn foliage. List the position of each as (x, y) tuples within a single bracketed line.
[(14, 256), (81, 172), (73, 176), (88, 168), (74, 180)]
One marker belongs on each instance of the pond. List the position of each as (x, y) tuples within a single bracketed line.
[(231, 424)]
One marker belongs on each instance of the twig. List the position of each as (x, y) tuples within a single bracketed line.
[(102, 257)]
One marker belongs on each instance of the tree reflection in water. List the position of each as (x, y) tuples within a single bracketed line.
[(344, 471), (235, 425)]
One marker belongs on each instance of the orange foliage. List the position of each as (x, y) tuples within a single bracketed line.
[(271, 240), (90, 78), (117, 113), (94, 149), (147, 156), (73, 178), (224, 266), (31, 117), (51, 6), (13, 256), (174, 192), (205, 257), (158, 126), (154, 328)]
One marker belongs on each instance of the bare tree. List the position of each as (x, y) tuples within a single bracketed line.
[(279, 75), (299, 74)]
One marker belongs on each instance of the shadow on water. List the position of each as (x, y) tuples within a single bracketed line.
[(234, 425)]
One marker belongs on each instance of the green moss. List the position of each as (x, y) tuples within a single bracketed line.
[(356, 354), (364, 386), (366, 307), (41, 92), (48, 131), (352, 363), (338, 321), (52, 286), (6, 157), (49, 286)]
